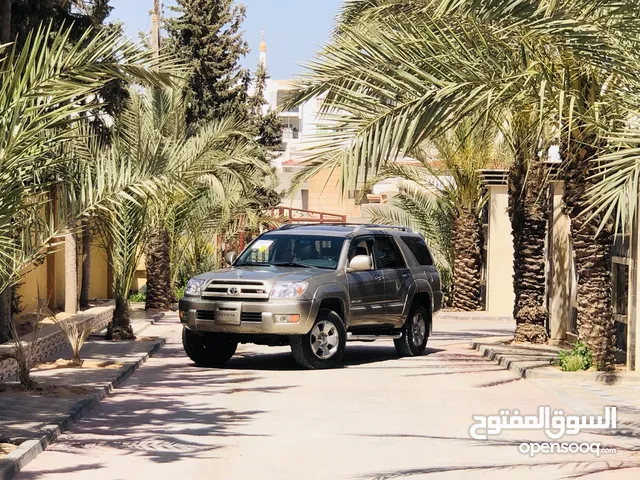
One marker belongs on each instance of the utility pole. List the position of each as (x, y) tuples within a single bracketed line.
[(155, 28)]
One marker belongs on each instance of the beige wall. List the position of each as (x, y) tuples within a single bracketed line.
[(99, 286), (34, 282), (500, 296), (327, 198)]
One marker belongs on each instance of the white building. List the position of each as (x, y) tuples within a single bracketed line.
[(299, 124)]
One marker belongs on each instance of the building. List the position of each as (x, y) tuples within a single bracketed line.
[(322, 192)]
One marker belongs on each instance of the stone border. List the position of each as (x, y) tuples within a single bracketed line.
[(51, 339), (30, 449), (540, 366)]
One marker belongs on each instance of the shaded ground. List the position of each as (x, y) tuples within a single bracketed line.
[(379, 417)]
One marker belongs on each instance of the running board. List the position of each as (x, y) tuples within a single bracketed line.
[(370, 338)]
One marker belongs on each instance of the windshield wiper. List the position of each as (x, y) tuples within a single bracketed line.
[(299, 265)]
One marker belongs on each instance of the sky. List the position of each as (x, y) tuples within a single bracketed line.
[(294, 29)]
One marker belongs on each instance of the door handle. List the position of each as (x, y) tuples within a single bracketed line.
[(379, 277)]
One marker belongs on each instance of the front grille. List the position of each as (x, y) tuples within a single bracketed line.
[(255, 317), (205, 315), (251, 317), (235, 282), (236, 290)]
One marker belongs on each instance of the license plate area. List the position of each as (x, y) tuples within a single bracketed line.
[(228, 313)]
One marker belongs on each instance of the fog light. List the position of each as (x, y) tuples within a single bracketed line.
[(287, 318)]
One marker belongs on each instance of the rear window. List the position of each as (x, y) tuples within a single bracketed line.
[(419, 249)]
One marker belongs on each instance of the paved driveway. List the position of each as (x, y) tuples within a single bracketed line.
[(379, 417)]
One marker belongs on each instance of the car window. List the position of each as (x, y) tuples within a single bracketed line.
[(293, 250), (362, 246), (388, 254), (419, 249)]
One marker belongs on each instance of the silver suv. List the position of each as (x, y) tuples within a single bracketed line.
[(315, 287)]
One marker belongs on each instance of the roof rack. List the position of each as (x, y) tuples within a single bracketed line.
[(386, 227), (359, 226)]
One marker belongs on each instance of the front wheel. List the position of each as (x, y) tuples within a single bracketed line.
[(208, 350), (323, 346), (415, 334)]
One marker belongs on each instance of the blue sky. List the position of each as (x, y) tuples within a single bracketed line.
[(294, 29)]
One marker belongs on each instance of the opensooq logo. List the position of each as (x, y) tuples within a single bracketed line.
[(554, 423)]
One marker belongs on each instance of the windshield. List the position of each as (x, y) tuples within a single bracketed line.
[(293, 251)]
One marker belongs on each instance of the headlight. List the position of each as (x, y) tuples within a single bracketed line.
[(194, 288), (288, 289)]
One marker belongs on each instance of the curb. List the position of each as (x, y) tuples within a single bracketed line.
[(542, 369), (523, 371), (30, 449)]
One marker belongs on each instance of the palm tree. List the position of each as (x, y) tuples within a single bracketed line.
[(404, 71), (42, 88), (448, 184), (227, 156), (393, 82), (147, 144)]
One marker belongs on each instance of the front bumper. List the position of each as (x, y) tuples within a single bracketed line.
[(201, 315)]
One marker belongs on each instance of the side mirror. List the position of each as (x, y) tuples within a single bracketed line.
[(230, 257), (360, 263)]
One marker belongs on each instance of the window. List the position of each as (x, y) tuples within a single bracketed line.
[(361, 246), (293, 251), (388, 254), (419, 249)]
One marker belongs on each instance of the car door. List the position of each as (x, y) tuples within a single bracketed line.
[(397, 277), (366, 288)]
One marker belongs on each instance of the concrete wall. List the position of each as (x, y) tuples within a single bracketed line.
[(560, 268), (500, 296)]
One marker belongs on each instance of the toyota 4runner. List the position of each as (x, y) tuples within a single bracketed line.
[(315, 287)]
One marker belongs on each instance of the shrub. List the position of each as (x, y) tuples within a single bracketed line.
[(580, 358), (180, 292), (76, 335), (138, 297)]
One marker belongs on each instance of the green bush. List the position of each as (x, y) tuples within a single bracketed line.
[(580, 358), (138, 297), (180, 292)]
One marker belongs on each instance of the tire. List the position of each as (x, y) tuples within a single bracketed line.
[(208, 350), (328, 350), (415, 333)]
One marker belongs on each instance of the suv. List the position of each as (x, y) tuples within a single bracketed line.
[(314, 287)]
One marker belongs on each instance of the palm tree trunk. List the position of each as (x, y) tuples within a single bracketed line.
[(70, 271), (120, 327), (5, 314), (86, 265), (159, 287), (528, 210), (596, 325), (467, 262), (5, 21)]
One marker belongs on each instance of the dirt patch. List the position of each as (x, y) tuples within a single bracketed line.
[(86, 364), (146, 339), (6, 449), (44, 389)]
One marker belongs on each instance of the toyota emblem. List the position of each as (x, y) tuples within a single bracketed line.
[(234, 291)]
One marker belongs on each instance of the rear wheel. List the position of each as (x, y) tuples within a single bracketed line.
[(208, 350), (323, 346), (415, 333)]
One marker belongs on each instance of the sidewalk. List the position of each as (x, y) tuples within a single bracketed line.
[(587, 392), (32, 421)]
